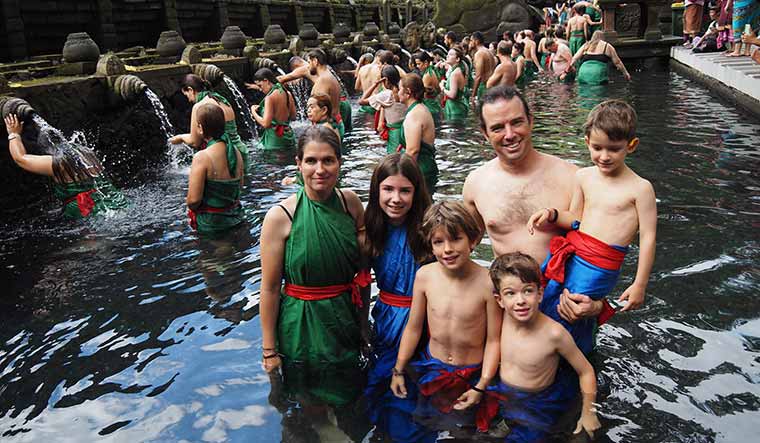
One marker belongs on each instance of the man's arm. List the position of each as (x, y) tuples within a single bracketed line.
[(494, 79), (646, 209), (299, 72)]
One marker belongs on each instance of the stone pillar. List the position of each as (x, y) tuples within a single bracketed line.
[(265, 18), (170, 15), (14, 27), (650, 14), (385, 14), (106, 33), (299, 17), (608, 19), (223, 19), (409, 12)]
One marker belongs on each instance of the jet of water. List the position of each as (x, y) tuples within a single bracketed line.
[(160, 111), (243, 106), (353, 62), (280, 71)]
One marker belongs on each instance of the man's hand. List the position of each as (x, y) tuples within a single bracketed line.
[(254, 109), (635, 296), (252, 86), (467, 400), (271, 363), (177, 139), (573, 307)]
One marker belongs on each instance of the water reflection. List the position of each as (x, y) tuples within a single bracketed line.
[(133, 329)]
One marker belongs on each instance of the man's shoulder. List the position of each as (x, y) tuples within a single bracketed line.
[(483, 170), (557, 164)]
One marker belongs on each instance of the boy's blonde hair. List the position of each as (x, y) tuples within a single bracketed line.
[(452, 216), (616, 118), (517, 264)]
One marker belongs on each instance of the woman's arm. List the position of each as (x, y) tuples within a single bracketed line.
[(457, 79), (194, 138), (36, 164), (617, 62), (266, 120), (413, 137), (364, 100)]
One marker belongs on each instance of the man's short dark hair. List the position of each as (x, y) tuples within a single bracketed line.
[(477, 36), (453, 36), (319, 55), (498, 93)]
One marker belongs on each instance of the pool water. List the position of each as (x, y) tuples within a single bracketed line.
[(129, 328)]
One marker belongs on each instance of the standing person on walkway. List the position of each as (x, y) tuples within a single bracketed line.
[(398, 199), (484, 65), (692, 20), (505, 72), (455, 103), (216, 177), (198, 92), (315, 324), (417, 136), (277, 109), (594, 57), (77, 174), (745, 16)]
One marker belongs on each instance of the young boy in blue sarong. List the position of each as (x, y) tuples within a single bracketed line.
[(454, 297), (531, 346), (612, 203)]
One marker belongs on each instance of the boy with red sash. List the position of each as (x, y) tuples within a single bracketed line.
[(612, 203), (453, 296)]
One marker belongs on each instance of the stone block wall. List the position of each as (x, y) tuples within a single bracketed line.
[(198, 20), (47, 23), (137, 22), (247, 15)]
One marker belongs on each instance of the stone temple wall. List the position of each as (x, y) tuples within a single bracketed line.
[(137, 22), (46, 23)]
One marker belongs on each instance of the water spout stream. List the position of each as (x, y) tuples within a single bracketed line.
[(243, 106)]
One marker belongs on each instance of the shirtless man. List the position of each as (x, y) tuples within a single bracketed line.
[(503, 193), (368, 74), (506, 72), (324, 81), (530, 49), (484, 64)]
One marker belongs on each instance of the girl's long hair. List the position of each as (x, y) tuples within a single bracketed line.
[(376, 221)]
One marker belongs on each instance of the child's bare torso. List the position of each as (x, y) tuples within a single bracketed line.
[(456, 314), (529, 357), (609, 205)]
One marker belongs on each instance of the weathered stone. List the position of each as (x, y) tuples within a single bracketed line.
[(484, 15), (411, 36), (296, 45), (370, 30), (210, 73), (128, 87), (251, 52), (110, 64), (337, 56), (358, 40), (341, 32), (428, 35), (13, 105), (274, 35), (263, 62), (394, 29), (4, 85), (308, 32), (233, 38), (191, 55), (78, 68), (79, 47), (170, 44)]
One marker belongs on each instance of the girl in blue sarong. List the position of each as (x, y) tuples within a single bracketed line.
[(397, 200)]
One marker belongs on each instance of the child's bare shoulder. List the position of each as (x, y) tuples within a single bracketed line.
[(426, 271), (553, 330)]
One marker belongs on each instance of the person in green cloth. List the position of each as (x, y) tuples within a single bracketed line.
[(517, 57), (484, 62), (418, 131), (198, 91), (319, 112), (315, 325), (577, 28), (594, 15), (594, 58), (455, 101), (76, 172), (216, 177), (390, 108), (277, 109), (430, 80), (532, 65)]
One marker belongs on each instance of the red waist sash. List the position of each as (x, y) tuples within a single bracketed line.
[(314, 293), (279, 130), (193, 215), (84, 200), (593, 250), (377, 119), (448, 386), (399, 301)]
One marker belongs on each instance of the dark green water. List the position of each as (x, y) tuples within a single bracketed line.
[(128, 328)]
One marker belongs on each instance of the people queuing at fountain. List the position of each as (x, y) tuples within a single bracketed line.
[(505, 72), (483, 63), (389, 108), (76, 172), (216, 175), (274, 112), (431, 81), (198, 92)]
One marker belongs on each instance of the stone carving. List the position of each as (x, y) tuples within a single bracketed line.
[(210, 73), (370, 30), (13, 105), (79, 47), (191, 55), (274, 38), (4, 85), (627, 19), (110, 64), (296, 46), (233, 38), (251, 52), (411, 36), (170, 44), (128, 87), (394, 29), (263, 62), (484, 15), (341, 32), (428, 35)]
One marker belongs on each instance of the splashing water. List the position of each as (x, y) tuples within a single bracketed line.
[(301, 91), (343, 90), (243, 106), (280, 71), (179, 154), (353, 62), (160, 111), (75, 147)]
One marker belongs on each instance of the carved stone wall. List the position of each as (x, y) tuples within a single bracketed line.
[(47, 23), (137, 22), (627, 20), (466, 16)]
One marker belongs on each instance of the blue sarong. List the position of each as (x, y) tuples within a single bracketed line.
[(530, 415)]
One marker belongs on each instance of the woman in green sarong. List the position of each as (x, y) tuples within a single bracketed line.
[(519, 59), (595, 16), (417, 136), (577, 28), (198, 91), (315, 325), (456, 105), (430, 81), (319, 112), (594, 58), (76, 173), (277, 109), (390, 109), (216, 177)]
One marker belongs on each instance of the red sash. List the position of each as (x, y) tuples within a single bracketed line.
[(594, 251), (280, 130), (313, 293), (399, 301), (377, 119), (447, 387), (193, 215), (338, 118), (84, 200)]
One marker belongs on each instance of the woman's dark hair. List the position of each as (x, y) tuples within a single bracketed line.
[(413, 83), (579, 9), (319, 134), (423, 56), (391, 74), (520, 46), (323, 101), (265, 74), (196, 82), (376, 221), (75, 163), (211, 118)]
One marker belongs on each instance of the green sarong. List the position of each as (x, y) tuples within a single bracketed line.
[(455, 108), (85, 198), (320, 339), (592, 72), (220, 208), (425, 157), (595, 16), (278, 135), (230, 127), (395, 132), (577, 39), (519, 81), (530, 70), (367, 109), (432, 102), (481, 90), (345, 112)]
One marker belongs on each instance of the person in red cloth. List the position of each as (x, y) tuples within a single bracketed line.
[(453, 296), (612, 203)]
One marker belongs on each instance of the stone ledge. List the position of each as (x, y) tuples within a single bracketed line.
[(739, 73)]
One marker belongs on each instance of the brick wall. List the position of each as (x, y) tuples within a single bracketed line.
[(47, 23)]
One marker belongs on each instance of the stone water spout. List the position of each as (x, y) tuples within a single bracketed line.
[(12, 105), (263, 62), (128, 87), (210, 73)]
